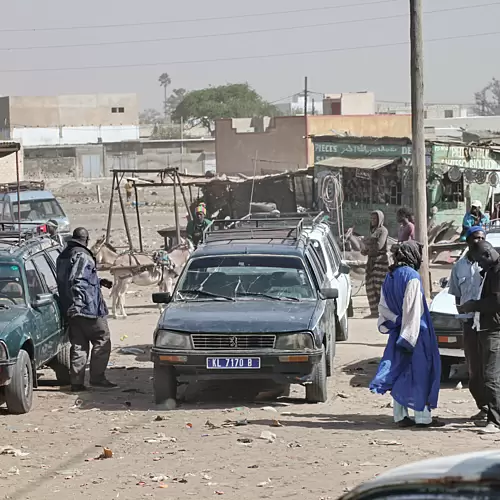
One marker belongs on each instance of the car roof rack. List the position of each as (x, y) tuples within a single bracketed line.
[(11, 187), (284, 229), (10, 234)]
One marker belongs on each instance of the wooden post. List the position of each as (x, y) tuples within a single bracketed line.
[(110, 212), (124, 213), (98, 193), (137, 212), (176, 212), (294, 192), (418, 139)]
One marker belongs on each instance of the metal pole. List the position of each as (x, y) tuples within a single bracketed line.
[(18, 195), (181, 187), (138, 217), (418, 139), (305, 96), (253, 182), (176, 212), (110, 212), (124, 213)]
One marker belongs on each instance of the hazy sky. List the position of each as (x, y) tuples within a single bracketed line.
[(454, 68)]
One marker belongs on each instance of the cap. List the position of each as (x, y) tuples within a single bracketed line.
[(477, 204), (472, 230)]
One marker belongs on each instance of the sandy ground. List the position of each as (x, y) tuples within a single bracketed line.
[(315, 451)]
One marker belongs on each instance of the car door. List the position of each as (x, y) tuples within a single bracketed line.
[(343, 279), (47, 318), (327, 321)]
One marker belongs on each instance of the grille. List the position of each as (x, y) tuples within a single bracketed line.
[(208, 342)]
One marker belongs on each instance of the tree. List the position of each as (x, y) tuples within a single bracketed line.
[(165, 81), (175, 98), (488, 99), (237, 100), (150, 117)]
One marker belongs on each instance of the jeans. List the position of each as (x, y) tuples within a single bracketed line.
[(421, 417)]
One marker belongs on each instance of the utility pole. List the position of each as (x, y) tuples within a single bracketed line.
[(418, 138), (305, 96)]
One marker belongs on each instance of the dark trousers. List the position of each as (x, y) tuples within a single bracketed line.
[(490, 347), (474, 357), (82, 333)]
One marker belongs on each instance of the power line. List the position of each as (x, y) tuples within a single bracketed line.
[(244, 58), (197, 20), (236, 33)]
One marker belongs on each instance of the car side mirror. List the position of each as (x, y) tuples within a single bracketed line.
[(43, 299), (329, 293), (443, 282), (344, 268), (161, 297)]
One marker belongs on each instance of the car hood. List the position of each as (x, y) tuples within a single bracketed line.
[(8, 316), (443, 303), (242, 316)]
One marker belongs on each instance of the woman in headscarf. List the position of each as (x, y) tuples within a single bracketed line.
[(410, 367), (378, 260)]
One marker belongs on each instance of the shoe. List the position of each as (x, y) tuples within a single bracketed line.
[(490, 428), (405, 423), (78, 388), (434, 424), (104, 384), (481, 415)]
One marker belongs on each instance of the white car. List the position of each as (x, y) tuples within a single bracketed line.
[(448, 328), (471, 476)]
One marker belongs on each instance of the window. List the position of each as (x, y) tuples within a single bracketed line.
[(316, 248), (11, 285), (448, 113), (46, 272), (35, 286), (316, 266), (425, 115), (39, 210), (453, 192), (117, 110), (53, 254), (335, 248)]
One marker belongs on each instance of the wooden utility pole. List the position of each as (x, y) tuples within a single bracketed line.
[(305, 96), (418, 138)]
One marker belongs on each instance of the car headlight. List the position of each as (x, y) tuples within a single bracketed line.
[(294, 341), (173, 340), (446, 322)]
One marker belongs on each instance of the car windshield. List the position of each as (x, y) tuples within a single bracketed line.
[(11, 286), (242, 277), (38, 210)]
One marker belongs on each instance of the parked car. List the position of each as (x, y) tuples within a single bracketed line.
[(31, 330), (37, 205), (448, 328), (467, 476), (251, 306)]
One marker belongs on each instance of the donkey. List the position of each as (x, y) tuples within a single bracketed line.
[(162, 269)]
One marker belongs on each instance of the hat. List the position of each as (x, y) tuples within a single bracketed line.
[(472, 230), (200, 209), (477, 204), (52, 223)]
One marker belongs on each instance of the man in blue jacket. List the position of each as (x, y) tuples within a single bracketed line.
[(83, 307)]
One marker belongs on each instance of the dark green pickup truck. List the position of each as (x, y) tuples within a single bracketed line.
[(31, 330)]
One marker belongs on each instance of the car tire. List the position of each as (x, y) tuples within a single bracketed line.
[(316, 392), (19, 393), (61, 365), (164, 383), (343, 329), (446, 364)]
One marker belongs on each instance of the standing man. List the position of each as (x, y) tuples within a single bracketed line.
[(406, 231), (474, 217), (83, 307), (465, 284), (486, 322), (195, 228), (52, 230)]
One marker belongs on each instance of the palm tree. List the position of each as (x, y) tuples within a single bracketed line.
[(165, 81)]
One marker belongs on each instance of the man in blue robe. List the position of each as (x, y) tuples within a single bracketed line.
[(410, 367)]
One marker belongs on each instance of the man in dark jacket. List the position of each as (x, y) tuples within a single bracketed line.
[(83, 307), (486, 322)]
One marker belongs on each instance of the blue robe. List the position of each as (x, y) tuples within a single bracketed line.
[(411, 373)]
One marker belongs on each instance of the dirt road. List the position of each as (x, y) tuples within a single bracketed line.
[(279, 449)]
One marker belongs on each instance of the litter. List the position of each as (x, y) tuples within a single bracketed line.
[(9, 450), (131, 350), (268, 436)]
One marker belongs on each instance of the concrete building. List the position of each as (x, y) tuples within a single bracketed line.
[(349, 103), (270, 145), (69, 119), (8, 168), (431, 111)]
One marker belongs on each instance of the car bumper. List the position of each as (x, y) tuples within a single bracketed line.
[(6, 371), (451, 343), (279, 366)]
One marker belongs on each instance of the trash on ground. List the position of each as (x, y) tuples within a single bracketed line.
[(276, 423), (269, 408), (9, 450), (384, 442), (268, 436), (132, 350), (245, 440)]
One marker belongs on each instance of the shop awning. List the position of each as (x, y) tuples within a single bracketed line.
[(8, 147), (361, 163)]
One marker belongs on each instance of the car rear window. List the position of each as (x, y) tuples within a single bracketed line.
[(39, 210)]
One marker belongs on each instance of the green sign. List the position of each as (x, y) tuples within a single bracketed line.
[(464, 157)]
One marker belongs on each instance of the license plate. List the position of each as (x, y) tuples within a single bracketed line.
[(233, 363), (447, 340)]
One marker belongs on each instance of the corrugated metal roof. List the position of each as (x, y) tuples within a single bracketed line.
[(361, 163), (8, 147)]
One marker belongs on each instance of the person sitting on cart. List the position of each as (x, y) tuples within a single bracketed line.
[(474, 217), (195, 228)]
